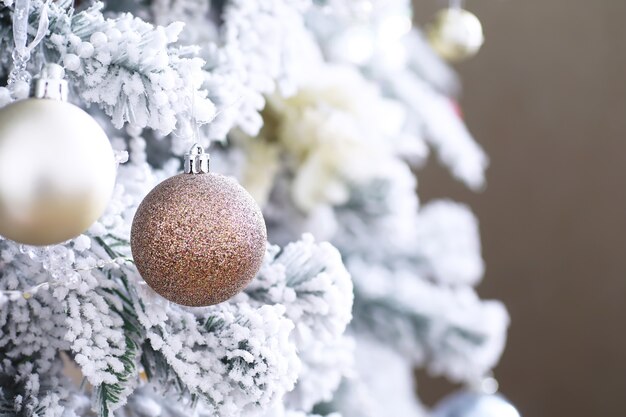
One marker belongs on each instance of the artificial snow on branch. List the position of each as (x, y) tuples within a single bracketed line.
[(235, 358), (262, 47), (449, 331), (129, 68)]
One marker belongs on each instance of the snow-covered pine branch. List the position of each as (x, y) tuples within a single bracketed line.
[(237, 357), (26, 391), (310, 280), (449, 331), (263, 46), (127, 67), (435, 115)]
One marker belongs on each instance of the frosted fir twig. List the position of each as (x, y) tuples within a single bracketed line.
[(231, 356), (145, 401), (262, 46), (193, 12), (235, 358), (303, 284), (257, 362), (310, 280), (250, 49), (59, 260), (447, 330), (380, 219), (442, 126), (197, 349), (384, 383), (26, 391), (126, 66), (448, 244), (439, 242), (324, 366), (317, 274), (27, 293)]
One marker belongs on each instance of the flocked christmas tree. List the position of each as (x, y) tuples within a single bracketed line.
[(323, 110)]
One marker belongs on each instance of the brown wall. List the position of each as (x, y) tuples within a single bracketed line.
[(547, 99)]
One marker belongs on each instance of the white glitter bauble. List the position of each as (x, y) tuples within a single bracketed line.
[(456, 34), (57, 171)]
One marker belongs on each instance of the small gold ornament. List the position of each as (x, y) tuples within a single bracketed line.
[(456, 34), (198, 238), (57, 167)]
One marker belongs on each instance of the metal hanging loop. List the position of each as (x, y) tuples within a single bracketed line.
[(196, 160)]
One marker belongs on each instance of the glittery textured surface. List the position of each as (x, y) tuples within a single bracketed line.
[(198, 239)]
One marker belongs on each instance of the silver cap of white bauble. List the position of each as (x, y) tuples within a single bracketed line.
[(50, 83)]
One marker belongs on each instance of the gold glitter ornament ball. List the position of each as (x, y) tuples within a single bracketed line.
[(456, 34), (198, 239)]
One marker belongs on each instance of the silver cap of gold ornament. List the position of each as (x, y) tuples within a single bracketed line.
[(50, 83), (196, 160)]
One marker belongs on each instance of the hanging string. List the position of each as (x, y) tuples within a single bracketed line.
[(22, 51), (194, 121), (196, 126)]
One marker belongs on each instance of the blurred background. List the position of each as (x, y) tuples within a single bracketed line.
[(546, 98)]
